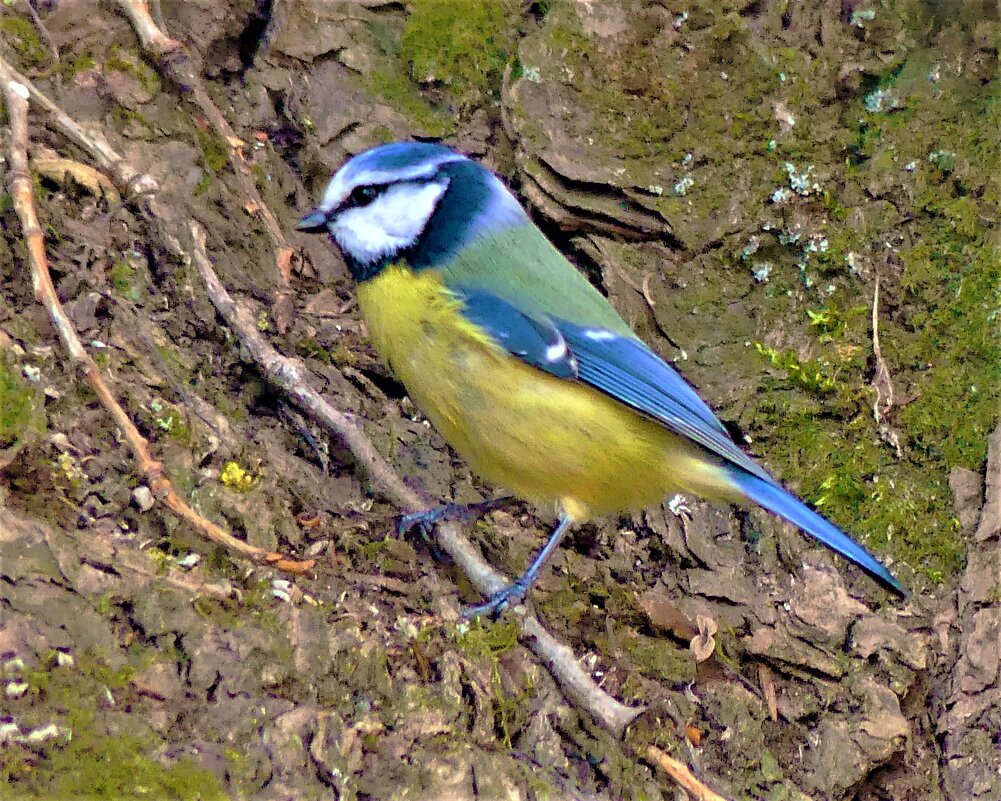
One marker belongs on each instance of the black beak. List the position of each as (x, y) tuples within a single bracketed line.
[(313, 223)]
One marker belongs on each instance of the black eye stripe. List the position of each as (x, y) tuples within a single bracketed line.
[(364, 194), (361, 195)]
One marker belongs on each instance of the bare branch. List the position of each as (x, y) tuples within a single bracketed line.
[(882, 383), (680, 773), (16, 97), (175, 62), (290, 376)]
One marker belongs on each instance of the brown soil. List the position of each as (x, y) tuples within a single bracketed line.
[(143, 670)]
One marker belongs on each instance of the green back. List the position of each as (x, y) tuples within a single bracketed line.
[(522, 267)]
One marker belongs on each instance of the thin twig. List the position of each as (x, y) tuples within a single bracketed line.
[(16, 97), (558, 658), (42, 30), (881, 380), (646, 292), (291, 376), (680, 773), (175, 63), (882, 383), (129, 180)]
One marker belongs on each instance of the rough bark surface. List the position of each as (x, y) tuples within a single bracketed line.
[(735, 176)]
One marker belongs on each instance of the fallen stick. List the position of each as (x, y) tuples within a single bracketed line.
[(129, 180), (291, 377), (16, 97), (174, 61), (681, 775)]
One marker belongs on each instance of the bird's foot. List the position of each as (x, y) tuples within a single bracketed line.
[(428, 518), (515, 593), (511, 595)]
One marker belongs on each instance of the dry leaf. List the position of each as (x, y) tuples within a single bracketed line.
[(56, 168), (663, 614), (768, 688), (703, 644)]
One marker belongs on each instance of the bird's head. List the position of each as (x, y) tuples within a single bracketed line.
[(410, 200)]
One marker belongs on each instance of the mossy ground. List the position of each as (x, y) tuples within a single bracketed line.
[(447, 61), (87, 759), (939, 269), (19, 406), (463, 46), (24, 39), (370, 683), (750, 147)]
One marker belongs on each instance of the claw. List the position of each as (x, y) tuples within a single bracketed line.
[(494, 606), (425, 519), (516, 592), (428, 518)]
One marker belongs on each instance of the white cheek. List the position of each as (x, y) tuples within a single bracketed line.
[(392, 222)]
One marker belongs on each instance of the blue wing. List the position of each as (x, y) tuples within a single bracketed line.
[(633, 374), (628, 371), (535, 341), (620, 366)]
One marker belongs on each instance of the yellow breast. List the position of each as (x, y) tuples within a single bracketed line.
[(558, 443)]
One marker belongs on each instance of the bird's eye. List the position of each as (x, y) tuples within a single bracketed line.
[(363, 195)]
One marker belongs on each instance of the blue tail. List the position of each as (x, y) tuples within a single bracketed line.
[(778, 501)]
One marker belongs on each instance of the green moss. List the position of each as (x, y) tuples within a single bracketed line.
[(809, 375), (917, 172), (22, 37), (203, 184), (657, 658), (952, 345), (168, 419), (215, 152), (382, 135), (513, 709), (457, 51), (88, 760), (392, 85), (122, 277), (633, 94), (485, 643), (126, 117), (213, 159), (77, 64), (133, 65), (480, 640), (340, 355), (20, 415), (835, 453), (463, 45)]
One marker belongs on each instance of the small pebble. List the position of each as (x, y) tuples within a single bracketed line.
[(143, 498)]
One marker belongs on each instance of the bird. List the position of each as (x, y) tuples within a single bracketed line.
[(522, 365)]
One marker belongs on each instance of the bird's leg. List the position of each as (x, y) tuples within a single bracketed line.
[(427, 518), (513, 593)]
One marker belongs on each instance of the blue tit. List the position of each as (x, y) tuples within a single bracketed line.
[(521, 364)]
